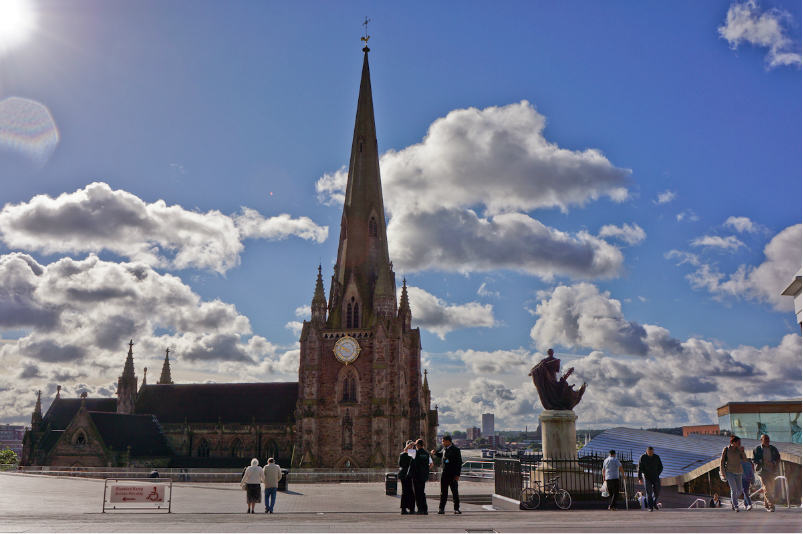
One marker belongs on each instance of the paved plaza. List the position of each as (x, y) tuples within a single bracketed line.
[(34, 503)]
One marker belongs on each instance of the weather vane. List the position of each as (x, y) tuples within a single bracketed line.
[(367, 20)]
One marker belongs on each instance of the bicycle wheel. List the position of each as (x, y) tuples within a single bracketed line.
[(530, 499), (563, 499)]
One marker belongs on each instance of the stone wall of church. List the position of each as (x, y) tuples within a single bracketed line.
[(231, 440), (79, 445)]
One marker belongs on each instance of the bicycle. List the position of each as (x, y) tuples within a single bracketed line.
[(531, 497)]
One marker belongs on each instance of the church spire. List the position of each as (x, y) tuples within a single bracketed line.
[(363, 250), (165, 378), (319, 300), (36, 418), (404, 306), (127, 384)]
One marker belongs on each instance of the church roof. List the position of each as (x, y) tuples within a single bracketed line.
[(265, 402), (141, 432), (63, 410)]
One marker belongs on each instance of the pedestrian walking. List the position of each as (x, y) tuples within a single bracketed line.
[(252, 477), (767, 460), (452, 464), (731, 465), (272, 475), (649, 474), (419, 468), (406, 477), (748, 478), (611, 469)]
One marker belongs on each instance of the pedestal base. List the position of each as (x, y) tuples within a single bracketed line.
[(558, 434)]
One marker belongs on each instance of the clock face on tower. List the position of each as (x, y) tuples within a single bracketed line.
[(347, 349)]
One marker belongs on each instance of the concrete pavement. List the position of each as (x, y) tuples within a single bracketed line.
[(35, 503)]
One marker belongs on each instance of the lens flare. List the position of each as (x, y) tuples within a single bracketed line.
[(27, 128), (17, 20)]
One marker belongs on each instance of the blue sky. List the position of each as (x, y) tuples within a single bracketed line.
[(218, 109)]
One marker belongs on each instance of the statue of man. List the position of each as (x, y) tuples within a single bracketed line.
[(555, 394)]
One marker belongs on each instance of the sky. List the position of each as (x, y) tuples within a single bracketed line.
[(618, 181)]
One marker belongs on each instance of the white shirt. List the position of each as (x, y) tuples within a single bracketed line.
[(610, 468)]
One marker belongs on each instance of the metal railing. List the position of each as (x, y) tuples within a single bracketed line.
[(695, 505)]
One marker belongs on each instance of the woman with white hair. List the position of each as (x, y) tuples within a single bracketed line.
[(252, 478)]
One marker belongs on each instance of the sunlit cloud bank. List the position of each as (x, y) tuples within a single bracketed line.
[(439, 317), (97, 218), (458, 201), (27, 128), (79, 315)]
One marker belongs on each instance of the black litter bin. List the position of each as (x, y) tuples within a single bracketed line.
[(283, 480), (391, 484)]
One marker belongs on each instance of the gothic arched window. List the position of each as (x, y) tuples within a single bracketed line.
[(373, 227), (349, 314), (356, 319), (80, 439), (271, 449), (203, 449), (353, 388), (237, 448)]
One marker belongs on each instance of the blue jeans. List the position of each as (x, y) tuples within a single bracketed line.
[(652, 488), (746, 489), (735, 483), (270, 498)]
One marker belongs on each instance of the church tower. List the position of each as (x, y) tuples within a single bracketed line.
[(127, 384), (361, 391), (165, 378)]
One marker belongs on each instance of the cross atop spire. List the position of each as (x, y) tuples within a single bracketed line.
[(365, 39)]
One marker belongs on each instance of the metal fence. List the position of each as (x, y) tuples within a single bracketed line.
[(581, 477)]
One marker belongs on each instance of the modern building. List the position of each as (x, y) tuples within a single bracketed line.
[(473, 433), (780, 420), (487, 424), (794, 290), (701, 429), (361, 391), (11, 438)]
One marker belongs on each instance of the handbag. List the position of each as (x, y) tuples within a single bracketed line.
[(243, 483), (604, 489)]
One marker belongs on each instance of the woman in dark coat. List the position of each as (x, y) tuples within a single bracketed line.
[(407, 496)]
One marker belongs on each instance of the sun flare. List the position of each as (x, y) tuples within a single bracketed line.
[(17, 19)]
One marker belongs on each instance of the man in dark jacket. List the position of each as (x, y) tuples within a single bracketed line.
[(419, 469), (767, 460), (408, 494), (649, 474), (452, 464)]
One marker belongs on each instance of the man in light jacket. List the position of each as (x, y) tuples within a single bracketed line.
[(273, 473), (767, 460)]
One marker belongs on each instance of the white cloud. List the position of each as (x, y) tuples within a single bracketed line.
[(97, 218), (440, 318), (729, 243), (763, 283), (512, 408), (483, 292), (499, 361), (295, 327), (304, 312), (496, 161), (670, 381), (632, 235), (665, 197), (688, 213), (745, 22), (744, 224)]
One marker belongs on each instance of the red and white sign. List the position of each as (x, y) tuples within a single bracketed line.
[(137, 493)]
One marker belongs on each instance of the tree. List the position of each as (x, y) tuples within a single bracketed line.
[(7, 456)]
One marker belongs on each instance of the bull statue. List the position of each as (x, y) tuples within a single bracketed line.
[(555, 394)]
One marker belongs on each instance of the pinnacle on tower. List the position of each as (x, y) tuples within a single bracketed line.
[(404, 306), (319, 300), (36, 418), (127, 384), (165, 378), (128, 368)]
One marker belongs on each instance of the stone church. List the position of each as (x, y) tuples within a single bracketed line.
[(360, 392)]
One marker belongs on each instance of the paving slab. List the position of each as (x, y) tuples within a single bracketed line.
[(36, 503)]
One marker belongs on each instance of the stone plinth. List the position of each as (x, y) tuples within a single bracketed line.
[(558, 434), (559, 443)]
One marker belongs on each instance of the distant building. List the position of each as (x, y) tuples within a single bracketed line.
[(487, 424), (473, 433), (780, 420), (701, 429), (495, 441), (11, 438)]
